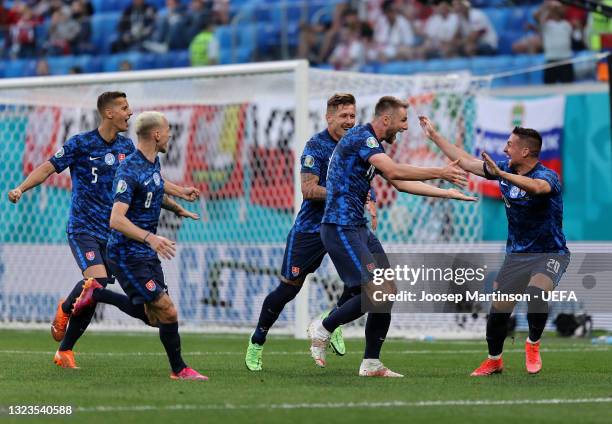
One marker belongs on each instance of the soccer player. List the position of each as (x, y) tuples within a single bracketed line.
[(304, 250), (133, 244), (351, 247), (93, 158), (536, 254)]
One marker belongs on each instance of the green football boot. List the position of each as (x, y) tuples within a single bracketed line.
[(336, 341), (254, 355)]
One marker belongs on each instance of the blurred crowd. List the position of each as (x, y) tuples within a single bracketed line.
[(67, 26), (389, 30), (358, 33)]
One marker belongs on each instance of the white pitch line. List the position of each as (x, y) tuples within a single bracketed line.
[(336, 405), (290, 353)]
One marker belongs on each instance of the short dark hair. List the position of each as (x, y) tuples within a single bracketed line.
[(107, 97), (387, 103), (339, 99), (532, 139)]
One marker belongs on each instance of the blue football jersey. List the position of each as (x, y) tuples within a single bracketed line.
[(314, 160), (535, 223), (92, 163), (349, 176), (139, 184)]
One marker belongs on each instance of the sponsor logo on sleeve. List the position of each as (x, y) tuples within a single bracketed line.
[(308, 161), (371, 143), (121, 186), (59, 153)]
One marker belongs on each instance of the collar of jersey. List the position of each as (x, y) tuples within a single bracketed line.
[(143, 157), (370, 128)]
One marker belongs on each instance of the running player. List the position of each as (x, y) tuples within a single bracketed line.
[(354, 250), (304, 250), (536, 253), (93, 158), (133, 245)]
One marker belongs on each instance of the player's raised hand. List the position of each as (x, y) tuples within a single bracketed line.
[(453, 174), (190, 194), (164, 247), (491, 165), (14, 195), (184, 213), (456, 194), (427, 126)]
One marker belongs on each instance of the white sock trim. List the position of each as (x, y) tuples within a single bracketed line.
[(532, 342), (495, 357)]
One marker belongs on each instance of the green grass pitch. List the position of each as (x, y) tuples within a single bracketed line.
[(124, 378)]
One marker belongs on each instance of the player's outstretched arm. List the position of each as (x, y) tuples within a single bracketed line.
[(395, 171), (311, 190), (466, 161), (421, 189), (171, 205), (120, 222), (36, 177), (533, 186), (187, 193)]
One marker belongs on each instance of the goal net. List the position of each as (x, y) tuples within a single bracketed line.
[(238, 134)]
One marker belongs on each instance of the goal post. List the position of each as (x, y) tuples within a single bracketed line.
[(238, 133)]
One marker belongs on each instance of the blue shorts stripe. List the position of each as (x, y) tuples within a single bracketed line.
[(348, 248), (289, 250), (132, 280), (79, 253)]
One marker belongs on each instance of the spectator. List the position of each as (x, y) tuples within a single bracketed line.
[(394, 35), (557, 42), (441, 31), (477, 35), (8, 17), (81, 14), (311, 40), (198, 19), (348, 55), (344, 18), (204, 48), (598, 29), (22, 34), (531, 43), (63, 33), (577, 18), (169, 34), (136, 26), (42, 68)]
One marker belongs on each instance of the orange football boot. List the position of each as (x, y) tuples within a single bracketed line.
[(65, 359), (488, 367), (60, 322), (533, 361)]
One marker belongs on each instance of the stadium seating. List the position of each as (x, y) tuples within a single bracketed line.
[(257, 35)]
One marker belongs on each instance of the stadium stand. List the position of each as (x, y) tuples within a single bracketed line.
[(270, 30)]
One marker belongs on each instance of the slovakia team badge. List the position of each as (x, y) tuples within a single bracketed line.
[(90, 255)]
